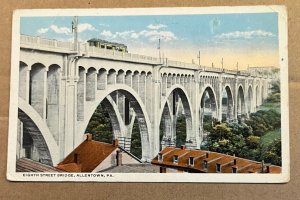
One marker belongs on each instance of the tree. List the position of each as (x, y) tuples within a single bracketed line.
[(180, 131), (272, 153), (99, 126)]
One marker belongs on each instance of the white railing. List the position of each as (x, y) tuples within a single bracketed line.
[(38, 42)]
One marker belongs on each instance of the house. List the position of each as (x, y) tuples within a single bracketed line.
[(95, 156), (172, 159)]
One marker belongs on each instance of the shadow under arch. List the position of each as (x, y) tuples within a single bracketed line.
[(229, 103), (166, 137), (208, 94), (241, 107), (250, 99), (212, 98), (39, 132)]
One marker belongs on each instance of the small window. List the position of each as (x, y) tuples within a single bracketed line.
[(160, 157), (218, 168), (205, 164), (175, 159), (191, 161), (234, 170)]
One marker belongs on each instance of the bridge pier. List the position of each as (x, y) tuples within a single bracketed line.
[(220, 82), (156, 103), (196, 100)]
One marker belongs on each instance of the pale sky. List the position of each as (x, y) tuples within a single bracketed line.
[(249, 39)]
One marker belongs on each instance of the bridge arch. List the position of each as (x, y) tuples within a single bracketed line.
[(121, 76), (128, 78), (179, 91), (101, 79), (91, 78), (166, 124), (262, 93), (39, 132), (114, 115), (37, 90), (209, 92), (23, 80), (241, 107), (250, 99), (111, 77), (135, 81), (257, 96), (52, 101), (229, 103), (136, 104)]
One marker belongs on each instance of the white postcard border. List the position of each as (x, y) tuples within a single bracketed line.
[(149, 177)]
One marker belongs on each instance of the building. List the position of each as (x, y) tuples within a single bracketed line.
[(94, 156), (172, 159), (103, 44)]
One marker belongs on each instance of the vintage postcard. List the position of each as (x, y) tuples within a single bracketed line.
[(150, 95)]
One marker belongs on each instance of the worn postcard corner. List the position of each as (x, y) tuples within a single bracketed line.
[(150, 95)]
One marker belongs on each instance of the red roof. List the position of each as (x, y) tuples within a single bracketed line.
[(226, 162), (90, 154)]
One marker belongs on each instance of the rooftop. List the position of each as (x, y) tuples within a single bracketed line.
[(87, 156), (200, 158), (133, 168)]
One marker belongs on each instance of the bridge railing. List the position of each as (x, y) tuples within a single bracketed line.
[(91, 50), (85, 49), (212, 69), (37, 42), (182, 64)]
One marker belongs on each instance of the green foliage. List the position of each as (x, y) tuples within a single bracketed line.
[(237, 139), (253, 141), (207, 122), (275, 95), (272, 154), (257, 138), (99, 126), (275, 87), (180, 131), (136, 146), (101, 129), (161, 129), (263, 121), (222, 139), (270, 136), (273, 98)]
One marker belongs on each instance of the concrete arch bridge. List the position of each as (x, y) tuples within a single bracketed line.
[(60, 88)]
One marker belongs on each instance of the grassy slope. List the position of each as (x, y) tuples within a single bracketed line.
[(270, 136), (269, 106)]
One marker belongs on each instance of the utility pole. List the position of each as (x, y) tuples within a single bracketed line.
[(75, 31), (222, 63), (199, 57), (237, 66), (158, 47)]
